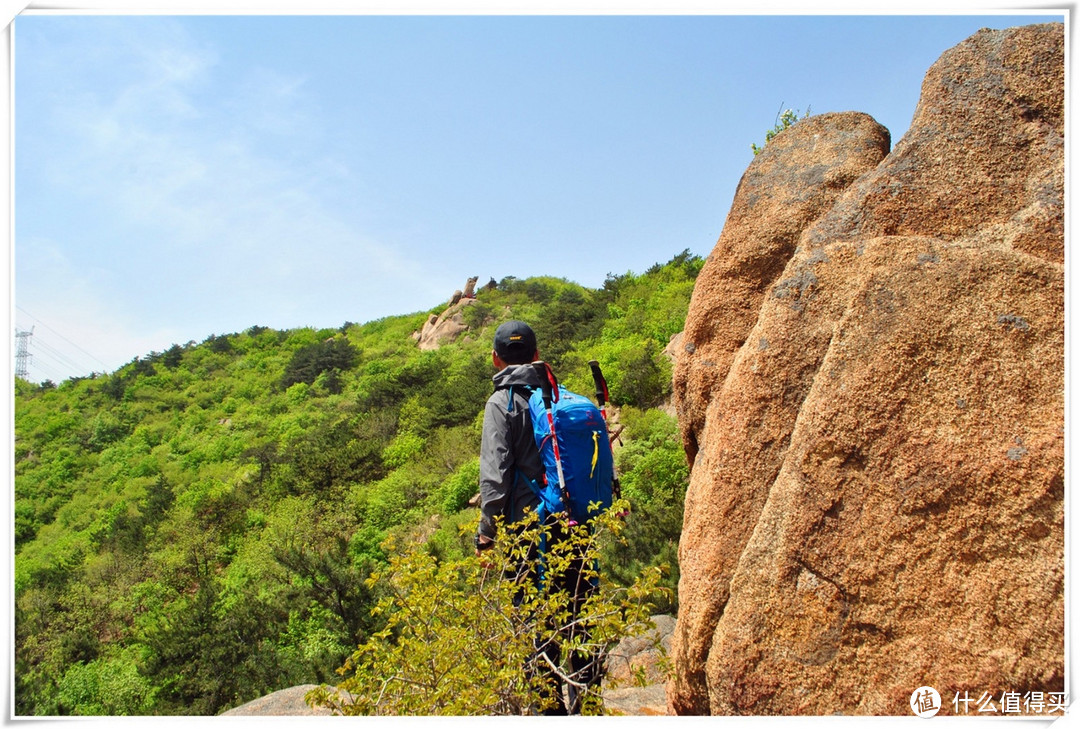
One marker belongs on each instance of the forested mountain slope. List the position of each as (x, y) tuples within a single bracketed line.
[(195, 529)]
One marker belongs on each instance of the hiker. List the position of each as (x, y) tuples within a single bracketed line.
[(509, 457), (508, 452)]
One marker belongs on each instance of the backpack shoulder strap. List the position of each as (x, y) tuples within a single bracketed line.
[(526, 389)]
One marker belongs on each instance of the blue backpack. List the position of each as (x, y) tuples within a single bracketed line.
[(588, 483)]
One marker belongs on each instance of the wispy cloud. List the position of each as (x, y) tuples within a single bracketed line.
[(191, 188)]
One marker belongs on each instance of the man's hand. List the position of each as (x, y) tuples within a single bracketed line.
[(483, 544)]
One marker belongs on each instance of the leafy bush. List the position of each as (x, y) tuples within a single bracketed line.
[(454, 493), (460, 640), (652, 463), (105, 687), (478, 314), (402, 449), (639, 373)]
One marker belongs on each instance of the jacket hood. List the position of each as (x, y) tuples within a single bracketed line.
[(517, 375)]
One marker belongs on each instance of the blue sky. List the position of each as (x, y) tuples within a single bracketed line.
[(181, 176)]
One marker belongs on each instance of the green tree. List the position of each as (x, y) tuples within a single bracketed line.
[(333, 356), (173, 356)]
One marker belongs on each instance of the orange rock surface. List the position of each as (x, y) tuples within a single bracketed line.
[(871, 392)]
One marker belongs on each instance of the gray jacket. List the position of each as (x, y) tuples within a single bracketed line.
[(508, 450)]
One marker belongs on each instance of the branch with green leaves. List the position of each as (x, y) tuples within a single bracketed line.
[(784, 119), (465, 639)]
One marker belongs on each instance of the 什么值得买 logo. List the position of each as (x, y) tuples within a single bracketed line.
[(925, 702)]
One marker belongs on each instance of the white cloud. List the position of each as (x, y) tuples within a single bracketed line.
[(196, 195)]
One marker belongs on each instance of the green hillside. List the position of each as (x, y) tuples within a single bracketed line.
[(196, 529)]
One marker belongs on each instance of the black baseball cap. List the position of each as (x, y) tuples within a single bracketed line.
[(515, 342)]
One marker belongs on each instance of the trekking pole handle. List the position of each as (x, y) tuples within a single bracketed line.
[(601, 384), (548, 384), (602, 398)]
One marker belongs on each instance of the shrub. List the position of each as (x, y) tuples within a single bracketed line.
[(105, 687), (454, 492), (405, 447), (460, 641)]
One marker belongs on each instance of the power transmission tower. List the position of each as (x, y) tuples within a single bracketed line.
[(22, 353)]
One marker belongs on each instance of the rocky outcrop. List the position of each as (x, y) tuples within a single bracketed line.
[(286, 702), (871, 391), (442, 328), (470, 287), (799, 175)]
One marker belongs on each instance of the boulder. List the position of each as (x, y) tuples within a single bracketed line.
[(443, 328), (871, 393), (286, 702), (649, 700)]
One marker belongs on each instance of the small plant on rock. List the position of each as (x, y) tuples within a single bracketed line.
[(785, 119)]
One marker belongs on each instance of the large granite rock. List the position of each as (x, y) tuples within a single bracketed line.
[(871, 389), (443, 328)]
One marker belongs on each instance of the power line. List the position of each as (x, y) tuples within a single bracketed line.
[(52, 374), (57, 356)]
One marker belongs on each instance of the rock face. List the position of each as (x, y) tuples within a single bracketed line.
[(445, 327), (871, 391)]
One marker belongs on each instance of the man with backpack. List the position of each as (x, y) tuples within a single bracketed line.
[(514, 481), (509, 457)]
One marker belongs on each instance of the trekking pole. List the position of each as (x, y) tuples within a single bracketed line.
[(601, 387), (549, 391), (602, 397)]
